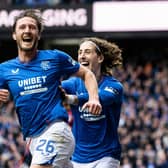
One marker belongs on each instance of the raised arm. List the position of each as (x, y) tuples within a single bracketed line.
[(93, 103), (107, 95)]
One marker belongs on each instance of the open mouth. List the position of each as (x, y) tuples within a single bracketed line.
[(85, 63), (27, 39)]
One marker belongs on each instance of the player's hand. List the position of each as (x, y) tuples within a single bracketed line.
[(93, 106), (4, 95), (67, 98)]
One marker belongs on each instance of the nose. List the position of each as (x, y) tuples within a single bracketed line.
[(81, 57), (27, 29), (82, 54)]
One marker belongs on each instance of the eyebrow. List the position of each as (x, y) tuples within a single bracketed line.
[(87, 49), (97, 47)]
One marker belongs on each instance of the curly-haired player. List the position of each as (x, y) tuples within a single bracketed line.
[(96, 136)]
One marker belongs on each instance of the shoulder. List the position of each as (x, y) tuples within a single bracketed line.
[(53, 53), (112, 81), (8, 62)]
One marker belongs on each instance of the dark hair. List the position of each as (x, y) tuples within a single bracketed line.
[(111, 52), (33, 13)]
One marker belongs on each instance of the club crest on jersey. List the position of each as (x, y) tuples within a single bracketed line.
[(45, 65), (15, 71)]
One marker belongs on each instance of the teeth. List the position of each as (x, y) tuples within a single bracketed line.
[(27, 38), (85, 63)]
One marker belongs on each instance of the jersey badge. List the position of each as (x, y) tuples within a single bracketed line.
[(45, 65)]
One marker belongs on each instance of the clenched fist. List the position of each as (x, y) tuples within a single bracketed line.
[(4, 95)]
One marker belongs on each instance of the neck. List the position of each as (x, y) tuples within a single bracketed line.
[(27, 56), (98, 77)]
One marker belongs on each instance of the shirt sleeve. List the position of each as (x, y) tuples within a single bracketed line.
[(107, 95), (111, 94), (69, 85)]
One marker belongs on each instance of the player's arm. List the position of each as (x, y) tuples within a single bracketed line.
[(107, 95), (89, 79)]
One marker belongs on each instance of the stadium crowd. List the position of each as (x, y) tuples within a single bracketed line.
[(48, 2), (144, 118), (143, 125), (40, 2)]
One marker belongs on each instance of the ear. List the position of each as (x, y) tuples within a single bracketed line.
[(101, 58), (14, 36)]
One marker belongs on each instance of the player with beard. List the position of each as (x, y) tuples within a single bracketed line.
[(32, 79), (96, 136)]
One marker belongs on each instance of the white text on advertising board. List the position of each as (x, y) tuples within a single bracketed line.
[(52, 17)]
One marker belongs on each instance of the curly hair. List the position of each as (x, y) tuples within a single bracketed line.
[(111, 52)]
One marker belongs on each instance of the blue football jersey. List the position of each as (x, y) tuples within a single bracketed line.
[(96, 136), (34, 88)]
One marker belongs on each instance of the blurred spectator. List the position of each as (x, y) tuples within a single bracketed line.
[(53, 2), (4, 3), (35, 2), (18, 2), (143, 125), (12, 146)]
